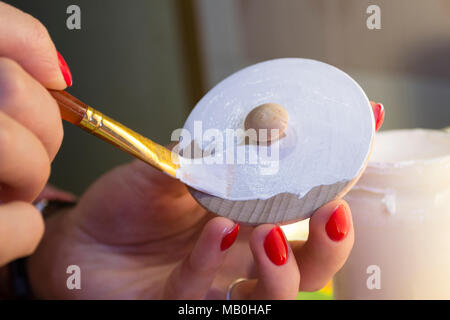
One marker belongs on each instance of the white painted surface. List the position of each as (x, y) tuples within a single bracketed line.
[(327, 140)]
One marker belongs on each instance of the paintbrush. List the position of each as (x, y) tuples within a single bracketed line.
[(215, 182), (102, 126)]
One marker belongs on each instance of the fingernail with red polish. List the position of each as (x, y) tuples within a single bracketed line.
[(229, 238), (276, 247), (65, 70), (378, 112), (338, 225)]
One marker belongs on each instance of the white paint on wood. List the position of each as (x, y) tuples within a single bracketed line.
[(324, 150)]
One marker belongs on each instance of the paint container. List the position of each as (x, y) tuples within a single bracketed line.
[(401, 215)]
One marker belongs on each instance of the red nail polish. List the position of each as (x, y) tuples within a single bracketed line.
[(65, 70), (338, 225), (229, 238), (378, 112), (276, 247)]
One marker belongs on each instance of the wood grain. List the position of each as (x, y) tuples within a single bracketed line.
[(281, 209)]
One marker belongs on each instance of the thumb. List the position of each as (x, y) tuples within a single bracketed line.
[(25, 40)]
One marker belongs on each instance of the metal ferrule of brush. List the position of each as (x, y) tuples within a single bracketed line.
[(126, 139)]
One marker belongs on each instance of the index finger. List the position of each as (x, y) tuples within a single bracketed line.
[(25, 40)]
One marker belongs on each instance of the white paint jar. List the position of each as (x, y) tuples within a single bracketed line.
[(401, 214)]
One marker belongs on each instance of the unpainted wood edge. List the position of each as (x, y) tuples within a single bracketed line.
[(254, 212)]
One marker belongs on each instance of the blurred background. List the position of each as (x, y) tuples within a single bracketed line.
[(147, 62)]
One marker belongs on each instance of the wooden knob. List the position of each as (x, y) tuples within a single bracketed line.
[(267, 116)]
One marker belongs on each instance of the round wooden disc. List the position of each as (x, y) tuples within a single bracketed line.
[(325, 149)]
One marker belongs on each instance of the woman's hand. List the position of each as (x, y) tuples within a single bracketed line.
[(138, 234), (30, 126)]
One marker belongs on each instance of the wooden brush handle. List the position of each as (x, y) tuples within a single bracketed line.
[(72, 109)]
